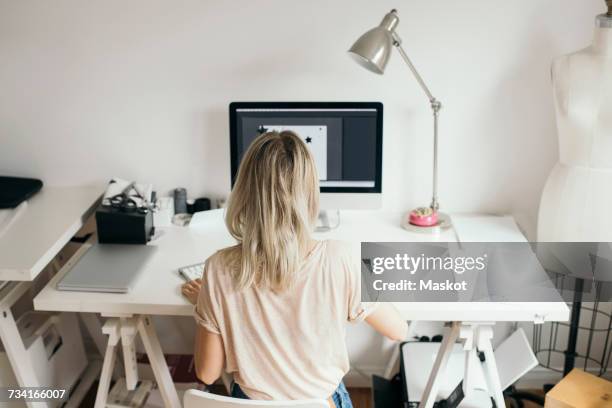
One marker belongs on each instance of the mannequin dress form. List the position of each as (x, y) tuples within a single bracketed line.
[(576, 203)]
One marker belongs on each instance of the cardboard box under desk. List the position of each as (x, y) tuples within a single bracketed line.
[(580, 390)]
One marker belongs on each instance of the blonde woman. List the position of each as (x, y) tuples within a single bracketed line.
[(272, 310)]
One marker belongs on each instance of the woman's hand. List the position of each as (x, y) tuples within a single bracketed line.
[(191, 290)]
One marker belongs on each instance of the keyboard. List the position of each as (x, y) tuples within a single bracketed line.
[(192, 272)]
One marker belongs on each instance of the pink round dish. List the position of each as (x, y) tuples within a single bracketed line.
[(423, 217)]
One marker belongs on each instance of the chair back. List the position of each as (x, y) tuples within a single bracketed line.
[(200, 399)]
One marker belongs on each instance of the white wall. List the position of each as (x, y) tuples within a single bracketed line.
[(140, 89)]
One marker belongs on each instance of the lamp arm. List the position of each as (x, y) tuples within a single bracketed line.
[(397, 42), (436, 106)]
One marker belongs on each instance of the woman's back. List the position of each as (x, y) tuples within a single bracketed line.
[(273, 308), (291, 344)]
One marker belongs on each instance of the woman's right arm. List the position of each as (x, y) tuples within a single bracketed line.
[(386, 320)]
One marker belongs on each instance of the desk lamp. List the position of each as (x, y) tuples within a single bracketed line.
[(372, 51)]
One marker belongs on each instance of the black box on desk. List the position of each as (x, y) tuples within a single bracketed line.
[(118, 226)]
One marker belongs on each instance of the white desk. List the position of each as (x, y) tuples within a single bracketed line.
[(50, 219), (157, 289), (34, 238)]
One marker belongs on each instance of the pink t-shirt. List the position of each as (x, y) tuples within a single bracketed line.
[(290, 345)]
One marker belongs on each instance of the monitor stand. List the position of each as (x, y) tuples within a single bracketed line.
[(327, 222)]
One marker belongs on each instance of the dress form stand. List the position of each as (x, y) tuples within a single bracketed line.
[(576, 203)]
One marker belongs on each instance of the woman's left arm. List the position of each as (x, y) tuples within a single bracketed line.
[(209, 356)]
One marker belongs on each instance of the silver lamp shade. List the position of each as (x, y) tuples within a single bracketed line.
[(373, 49)]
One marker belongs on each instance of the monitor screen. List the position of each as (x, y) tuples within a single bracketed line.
[(345, 138)]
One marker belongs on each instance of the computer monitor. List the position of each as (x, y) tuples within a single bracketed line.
[(345, 139)]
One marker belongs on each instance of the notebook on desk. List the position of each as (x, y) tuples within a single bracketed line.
[(107, 269)]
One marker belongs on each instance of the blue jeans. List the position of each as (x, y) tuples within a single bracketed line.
[(340, 397)]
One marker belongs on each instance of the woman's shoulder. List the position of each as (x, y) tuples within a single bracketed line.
[(343, 260), (340, 247), (223, 261), (342, 250)]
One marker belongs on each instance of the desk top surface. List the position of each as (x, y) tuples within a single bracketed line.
[(157, 289), (49, 220)]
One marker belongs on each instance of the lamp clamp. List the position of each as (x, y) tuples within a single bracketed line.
[(436, 105), (397, 40)]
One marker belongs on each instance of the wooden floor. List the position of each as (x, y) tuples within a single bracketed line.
[(361, 397)]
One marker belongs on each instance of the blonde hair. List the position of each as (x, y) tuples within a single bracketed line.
[(271, 211)]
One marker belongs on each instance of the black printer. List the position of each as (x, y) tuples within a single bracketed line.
[(125, 215)]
